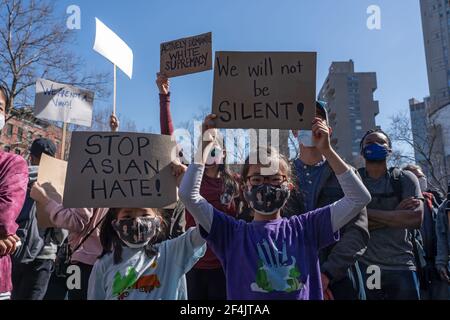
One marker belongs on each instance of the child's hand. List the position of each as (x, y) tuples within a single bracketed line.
[(178, 170), (114, 123), (321, 135), (163, 83), (209, 126), (39, 194)]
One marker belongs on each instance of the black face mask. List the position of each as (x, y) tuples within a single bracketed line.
[(137, 233), (267, 199)]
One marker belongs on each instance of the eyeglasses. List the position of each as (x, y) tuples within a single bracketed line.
[(275, 180)]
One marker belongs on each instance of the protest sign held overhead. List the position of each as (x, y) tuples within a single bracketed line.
[(62, 102), (186, 56), (51, 176), (265, 90), (120, 170), (113, 48)]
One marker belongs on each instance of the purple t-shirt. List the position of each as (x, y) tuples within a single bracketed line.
[(276, 260)]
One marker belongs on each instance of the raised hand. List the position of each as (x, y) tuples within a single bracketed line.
[(321, 135), (178, 170), (114, 123), (163, 83), (39, 194), (209, 135)]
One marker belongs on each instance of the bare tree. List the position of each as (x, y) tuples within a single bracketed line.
[(34, 43), (426, 151)]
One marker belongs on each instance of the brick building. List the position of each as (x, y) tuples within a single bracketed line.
[(23, 128)]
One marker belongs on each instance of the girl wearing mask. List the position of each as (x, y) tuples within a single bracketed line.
[(136, 265), (273, 258)]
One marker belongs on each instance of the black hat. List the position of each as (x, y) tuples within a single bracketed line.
[(43, 145), (321, 108)]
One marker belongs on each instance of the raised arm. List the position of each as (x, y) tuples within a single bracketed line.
[(201, 210), (74, 220), (165, 116), (356, 195), (189, 193)]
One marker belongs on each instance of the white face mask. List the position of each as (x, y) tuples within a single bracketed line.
[(423, 184), (2, 121)]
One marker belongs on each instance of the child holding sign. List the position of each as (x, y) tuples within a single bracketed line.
[(135, 265), (206, 281), (274, 258)]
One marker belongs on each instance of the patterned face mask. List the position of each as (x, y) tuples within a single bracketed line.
[(137, 233), (267, 199)]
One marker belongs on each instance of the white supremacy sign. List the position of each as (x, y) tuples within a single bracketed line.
[(61, 102), (120, 170)]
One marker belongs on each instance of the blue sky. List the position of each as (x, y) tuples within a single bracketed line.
[(335, 29)]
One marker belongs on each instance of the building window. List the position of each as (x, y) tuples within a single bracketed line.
[(9, 130), (18, 151), (30, 136), (19, 134)]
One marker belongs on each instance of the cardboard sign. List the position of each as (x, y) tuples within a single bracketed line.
[(113, 48), (265, 90), (120, 170), (186, 56), (62, 102), (51, 176)]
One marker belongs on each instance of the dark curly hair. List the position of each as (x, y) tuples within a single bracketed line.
[(111, 242)]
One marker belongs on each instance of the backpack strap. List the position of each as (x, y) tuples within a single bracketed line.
[(395, 176), (88, 234)]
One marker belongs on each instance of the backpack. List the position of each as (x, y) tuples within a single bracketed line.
[(28, 232), (32, 240)]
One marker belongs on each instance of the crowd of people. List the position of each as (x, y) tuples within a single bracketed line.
[(314, 228)]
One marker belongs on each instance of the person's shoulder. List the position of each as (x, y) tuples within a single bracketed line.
[(104, 262), (408, 177), (11, 160)]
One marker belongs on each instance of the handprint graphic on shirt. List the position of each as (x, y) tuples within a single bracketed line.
[(276, 272)]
